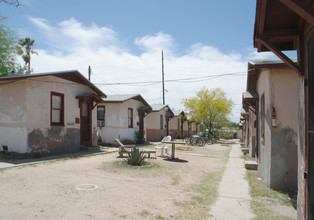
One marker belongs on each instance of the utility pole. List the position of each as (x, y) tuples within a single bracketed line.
[(163, 78), (89, 72)]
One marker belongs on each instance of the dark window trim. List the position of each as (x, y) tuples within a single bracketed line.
[(62, 109), (103, 120), (130, 125), (161, 122)]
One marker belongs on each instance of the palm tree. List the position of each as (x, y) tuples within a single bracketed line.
[(26, 49)]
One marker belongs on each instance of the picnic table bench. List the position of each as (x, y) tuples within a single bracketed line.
[(126, 149)]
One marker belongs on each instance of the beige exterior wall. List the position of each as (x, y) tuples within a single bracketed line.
[(153, 131), (116, 121), (278, 151), (29, 130), (175, 127)]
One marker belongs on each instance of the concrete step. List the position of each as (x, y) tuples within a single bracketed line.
[(250, 165)]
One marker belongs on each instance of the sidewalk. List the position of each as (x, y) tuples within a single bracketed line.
[(233, 201)]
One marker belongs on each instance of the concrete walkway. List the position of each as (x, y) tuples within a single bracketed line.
[(234, 200)]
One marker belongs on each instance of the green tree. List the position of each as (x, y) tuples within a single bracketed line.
[(210, 108), (8, 60), (25, 49)]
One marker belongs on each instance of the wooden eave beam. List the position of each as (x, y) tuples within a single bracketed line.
[(281, 55), (261, 23), (303, 10)]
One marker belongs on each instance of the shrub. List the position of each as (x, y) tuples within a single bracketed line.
[(127, 142), (140, 139), (136, 158), (225, 134)]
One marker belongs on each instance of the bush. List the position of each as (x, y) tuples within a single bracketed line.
[(140, 139), (225, 135), (136, 158), (127, 142)]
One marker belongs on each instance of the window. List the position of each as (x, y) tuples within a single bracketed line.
[(101, 116), (130, 118), (161, 122), (57, 109)]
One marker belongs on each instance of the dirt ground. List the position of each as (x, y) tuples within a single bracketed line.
[(99, 187)]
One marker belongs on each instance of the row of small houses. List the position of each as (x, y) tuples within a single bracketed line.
[(63, 111), (278, 104)]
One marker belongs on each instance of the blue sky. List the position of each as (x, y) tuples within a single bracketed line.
[(122, 41)]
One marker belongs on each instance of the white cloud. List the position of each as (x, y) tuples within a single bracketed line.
[(76, 46), (155, 43)]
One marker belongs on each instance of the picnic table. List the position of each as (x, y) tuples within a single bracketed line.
[(173, 147)]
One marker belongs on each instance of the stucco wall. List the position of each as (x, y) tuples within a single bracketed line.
[(252, 134), (265, 87), (13, 131), (153, 131), (116, 121), (37, 135), (278, 152), (284, 137)]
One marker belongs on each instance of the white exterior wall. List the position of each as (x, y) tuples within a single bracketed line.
[(30, 103), (116, 121), (13, 131)]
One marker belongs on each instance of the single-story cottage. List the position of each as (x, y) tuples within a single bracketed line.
[(275, 111), (176, 124), (285, 25), (121, 117), (158, 122), (48, 113)]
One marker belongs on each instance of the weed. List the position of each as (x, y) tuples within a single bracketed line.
[(160, 217), (264, 198), (175, 180), (203, 195), (145, 213)]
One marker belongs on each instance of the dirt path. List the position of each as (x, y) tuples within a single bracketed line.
[(98, 187)]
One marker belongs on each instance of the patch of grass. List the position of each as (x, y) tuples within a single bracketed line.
[(175, 180), (145, 213), (203, 195), (123, 216), (160, 217), (263, 213), (264, 198)]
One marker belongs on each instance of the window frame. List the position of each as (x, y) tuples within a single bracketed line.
[(61, 95), (161, 122), (103, 119), (130, 118)]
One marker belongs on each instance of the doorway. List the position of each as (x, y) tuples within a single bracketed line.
[(86, 124)]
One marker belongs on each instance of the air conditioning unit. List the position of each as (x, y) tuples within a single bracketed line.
[(100, 123)]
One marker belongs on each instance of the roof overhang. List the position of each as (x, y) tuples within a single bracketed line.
[(250, 100), (87, 97), (279, 25), (137, 97), (71, 75)]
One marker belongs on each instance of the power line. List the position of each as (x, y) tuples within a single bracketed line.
[(182, 80)]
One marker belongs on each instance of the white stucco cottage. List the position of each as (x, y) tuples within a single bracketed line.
[(48, 113), (121, 116)]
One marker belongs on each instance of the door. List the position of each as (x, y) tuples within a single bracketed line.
[(310, 129), (86, 124)]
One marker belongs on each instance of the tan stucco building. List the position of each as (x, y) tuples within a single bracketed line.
[(275, 139), (157, 122)]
